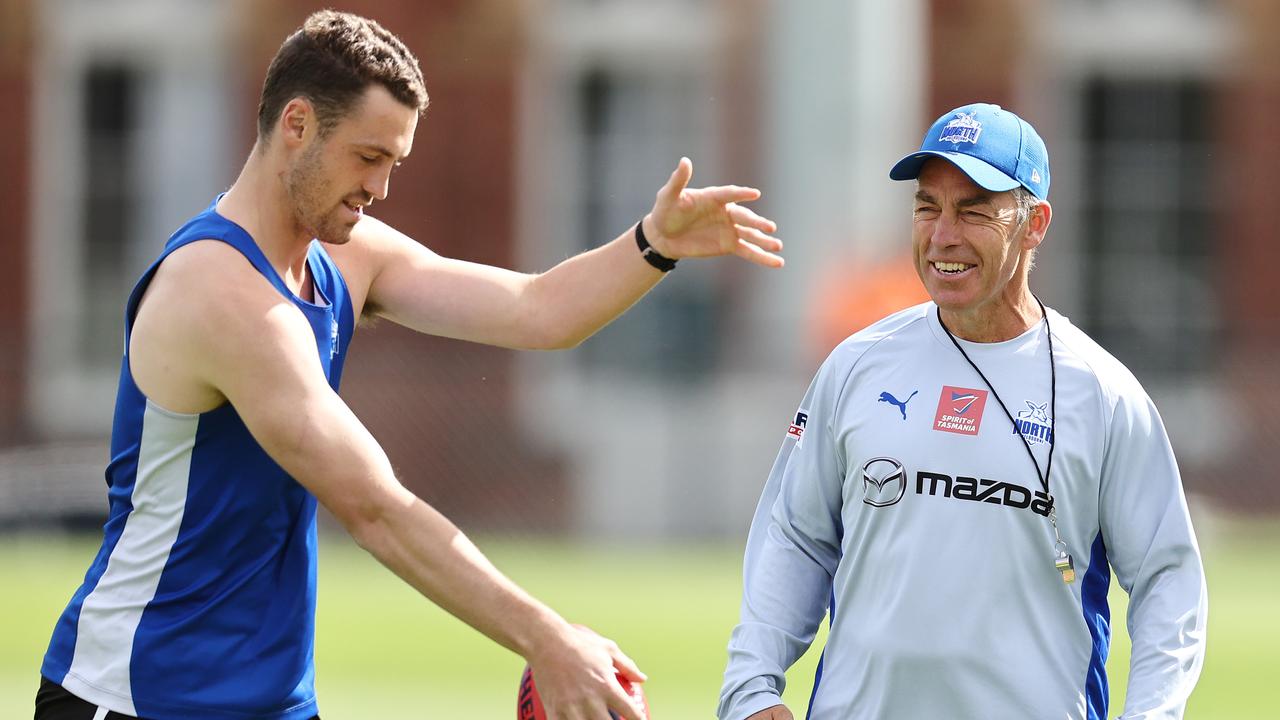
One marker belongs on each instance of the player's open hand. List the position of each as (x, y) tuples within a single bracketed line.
[(777, 712), (706, 222), (577, 677)]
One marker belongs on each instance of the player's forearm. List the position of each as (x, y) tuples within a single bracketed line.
[(575, 299), (318, 440), (431, 554)]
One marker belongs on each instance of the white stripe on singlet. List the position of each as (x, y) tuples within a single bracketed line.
[(109, 617)]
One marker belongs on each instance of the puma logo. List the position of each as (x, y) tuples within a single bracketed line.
[(901, 404)]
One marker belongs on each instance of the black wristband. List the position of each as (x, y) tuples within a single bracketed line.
[(651, 256)]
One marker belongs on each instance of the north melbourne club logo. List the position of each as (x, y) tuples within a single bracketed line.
[(1034, 423), (964, 128), (884, 481), (960, 410)]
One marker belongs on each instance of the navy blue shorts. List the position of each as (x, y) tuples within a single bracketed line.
[(53, 702)]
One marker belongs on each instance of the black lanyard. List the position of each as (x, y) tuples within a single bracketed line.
[(1053, 400), (1062, 559)]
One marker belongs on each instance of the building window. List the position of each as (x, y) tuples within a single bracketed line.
[(109, 201), (1149, 211), (132, 106), (632, 124)]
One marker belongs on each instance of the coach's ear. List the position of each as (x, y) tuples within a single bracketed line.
[(1037, 225)]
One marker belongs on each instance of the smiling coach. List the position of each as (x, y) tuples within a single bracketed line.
[(963, 538)]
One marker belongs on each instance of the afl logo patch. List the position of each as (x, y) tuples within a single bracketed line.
[(797, 426)]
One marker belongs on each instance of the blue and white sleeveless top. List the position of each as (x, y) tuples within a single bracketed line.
[(201, 601)]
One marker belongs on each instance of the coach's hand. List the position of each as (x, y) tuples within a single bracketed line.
[(577, 677), (705, 222), (777, 712)]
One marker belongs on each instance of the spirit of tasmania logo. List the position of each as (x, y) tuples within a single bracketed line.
[(960, 410)]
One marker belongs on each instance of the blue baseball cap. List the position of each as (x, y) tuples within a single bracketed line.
[(997, 150)]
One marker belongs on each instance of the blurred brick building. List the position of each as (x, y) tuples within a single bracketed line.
[(551, 124)]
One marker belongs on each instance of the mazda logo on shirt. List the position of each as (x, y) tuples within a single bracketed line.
[(883, 482)]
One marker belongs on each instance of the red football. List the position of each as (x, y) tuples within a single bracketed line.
[(529, 704)]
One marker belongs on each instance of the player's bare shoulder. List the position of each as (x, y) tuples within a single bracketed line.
[(205, 307)]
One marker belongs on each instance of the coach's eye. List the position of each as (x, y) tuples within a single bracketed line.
[(371, 159)]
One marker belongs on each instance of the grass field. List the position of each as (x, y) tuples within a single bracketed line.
[(385, 653)]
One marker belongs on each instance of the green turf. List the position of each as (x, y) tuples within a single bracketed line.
[(384, 652)]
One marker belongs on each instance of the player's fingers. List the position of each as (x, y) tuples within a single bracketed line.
[(755, 254), (754, 236), (731, 193), (627, 666), (621, 703), (742, 215), (678, 181)]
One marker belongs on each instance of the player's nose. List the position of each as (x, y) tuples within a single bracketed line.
[(378, 185)]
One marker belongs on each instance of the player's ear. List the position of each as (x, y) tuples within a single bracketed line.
[(1037, 225), (297, 117)]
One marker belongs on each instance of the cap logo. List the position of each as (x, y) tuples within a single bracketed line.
[(964, 128), (1035, 176)]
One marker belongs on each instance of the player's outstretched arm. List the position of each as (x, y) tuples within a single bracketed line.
[(241, 339), (563, 306)]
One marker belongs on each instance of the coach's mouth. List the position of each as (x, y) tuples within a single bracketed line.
[(951, 269)]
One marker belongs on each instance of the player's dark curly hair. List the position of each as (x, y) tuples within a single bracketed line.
[(330, 61)]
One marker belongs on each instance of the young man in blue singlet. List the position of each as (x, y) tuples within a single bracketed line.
[(229, 428)]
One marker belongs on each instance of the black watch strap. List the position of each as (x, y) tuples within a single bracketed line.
[(651, 256)]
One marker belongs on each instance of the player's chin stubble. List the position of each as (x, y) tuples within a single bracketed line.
[(307, 188)]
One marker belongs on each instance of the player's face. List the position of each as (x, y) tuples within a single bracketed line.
[(336, 176), (966, 240)]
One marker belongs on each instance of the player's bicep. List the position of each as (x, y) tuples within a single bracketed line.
[(417, 288), (267, 366)]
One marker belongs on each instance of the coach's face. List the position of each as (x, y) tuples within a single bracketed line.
[(337, 174), (967, 241)]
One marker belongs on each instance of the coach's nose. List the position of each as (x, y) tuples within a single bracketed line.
[(946, 229)]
